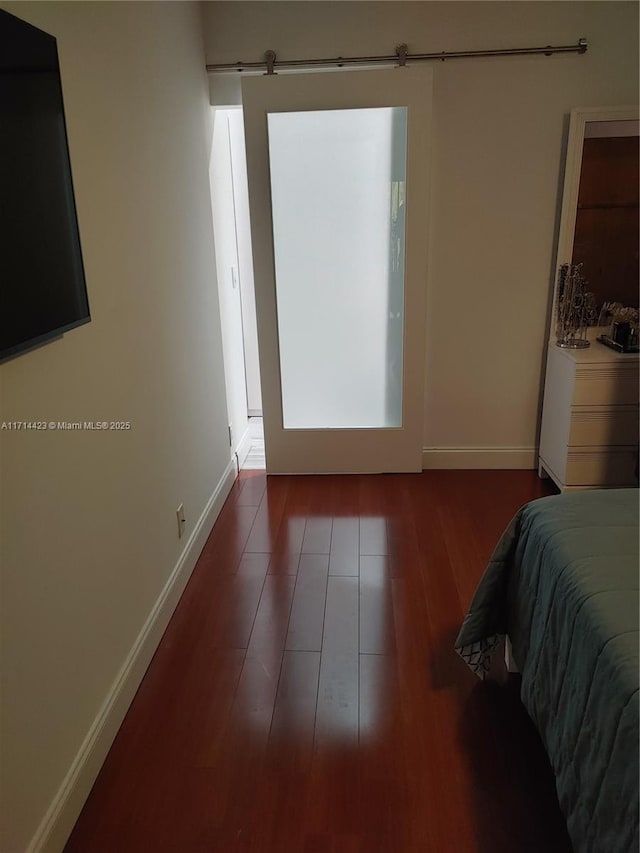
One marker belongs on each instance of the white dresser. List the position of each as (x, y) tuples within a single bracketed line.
[(590, 421)]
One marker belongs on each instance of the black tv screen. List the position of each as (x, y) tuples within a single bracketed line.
[(42, 284)]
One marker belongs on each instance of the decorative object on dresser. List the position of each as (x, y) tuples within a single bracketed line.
[(623, 335), (590, 413), (576, 308)]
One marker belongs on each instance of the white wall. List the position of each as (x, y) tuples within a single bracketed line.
[(89, 533), (499, 135)]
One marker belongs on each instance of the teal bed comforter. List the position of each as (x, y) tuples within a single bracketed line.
[(563, 584)]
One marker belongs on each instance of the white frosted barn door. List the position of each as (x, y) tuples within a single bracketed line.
[(338, 183)]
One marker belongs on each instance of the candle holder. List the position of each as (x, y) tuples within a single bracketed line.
[(576, 308)]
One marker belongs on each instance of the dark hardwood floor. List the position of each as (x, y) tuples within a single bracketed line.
[(306, 697)]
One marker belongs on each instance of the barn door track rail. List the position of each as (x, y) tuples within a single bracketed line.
[(401, 57)]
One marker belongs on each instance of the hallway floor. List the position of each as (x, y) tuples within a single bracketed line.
[(306, 697), (255, 458)]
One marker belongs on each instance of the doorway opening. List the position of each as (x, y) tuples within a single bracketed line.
[(327, 164), (234, 267)]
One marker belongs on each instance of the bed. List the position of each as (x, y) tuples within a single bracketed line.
[(562, 586)]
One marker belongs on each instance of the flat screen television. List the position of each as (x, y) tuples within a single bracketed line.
[(42, 284)]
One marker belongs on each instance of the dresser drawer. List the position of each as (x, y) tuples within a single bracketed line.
[(606, 385), (601, 467), (614, 425)]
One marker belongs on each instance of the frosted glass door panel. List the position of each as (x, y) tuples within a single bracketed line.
[(337, 196)]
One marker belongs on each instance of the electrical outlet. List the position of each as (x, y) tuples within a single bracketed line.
[(182, 521)]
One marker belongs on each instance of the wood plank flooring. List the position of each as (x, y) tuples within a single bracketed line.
[(306, 697)]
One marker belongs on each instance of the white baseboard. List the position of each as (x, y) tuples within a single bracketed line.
[(479, 457), (244, 446), (63, 812)]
